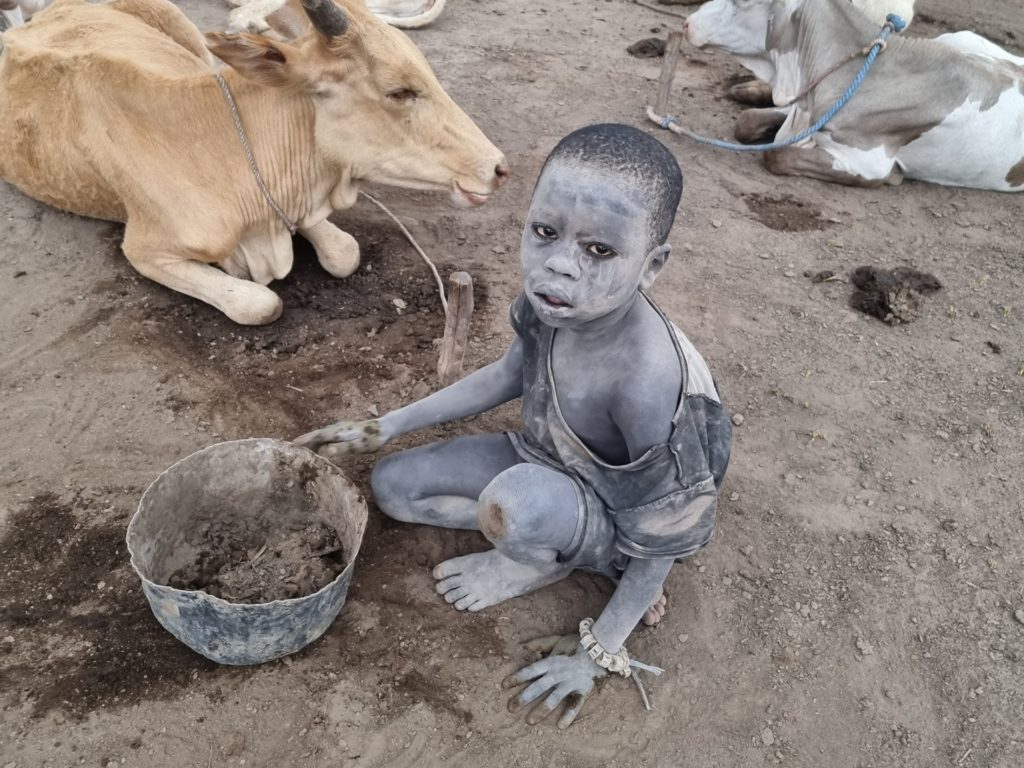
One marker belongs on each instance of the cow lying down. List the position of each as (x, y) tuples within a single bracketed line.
[(740, 26), (111, 110), (948, 110)]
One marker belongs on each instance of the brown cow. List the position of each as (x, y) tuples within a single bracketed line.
[(112, 111)]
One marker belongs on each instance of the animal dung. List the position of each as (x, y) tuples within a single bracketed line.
[(893, 296), (648, 48), (290, 564)]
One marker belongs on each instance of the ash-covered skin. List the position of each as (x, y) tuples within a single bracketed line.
[(614, 372)]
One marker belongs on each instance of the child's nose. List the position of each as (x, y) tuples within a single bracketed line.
[(563, 262)]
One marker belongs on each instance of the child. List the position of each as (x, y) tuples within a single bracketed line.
[(624, 441)]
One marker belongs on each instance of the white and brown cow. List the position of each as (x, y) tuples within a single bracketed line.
[(111, 110), (949, 110)]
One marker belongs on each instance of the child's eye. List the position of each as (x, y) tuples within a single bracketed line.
[(600, 250), (546, 232)]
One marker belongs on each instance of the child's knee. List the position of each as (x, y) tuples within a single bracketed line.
[(520, 505), (386, 485)]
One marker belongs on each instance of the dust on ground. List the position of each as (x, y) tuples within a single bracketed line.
[(856, 608)]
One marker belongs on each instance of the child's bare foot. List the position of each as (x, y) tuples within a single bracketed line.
[(656, 612), (474, 582)]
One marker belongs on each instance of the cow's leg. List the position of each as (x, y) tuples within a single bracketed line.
[(252, 15), (337, 250), (753, 93), (815, 163), (756, 126), (245, 302)]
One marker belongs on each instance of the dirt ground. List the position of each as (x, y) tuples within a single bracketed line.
[(856, 607)]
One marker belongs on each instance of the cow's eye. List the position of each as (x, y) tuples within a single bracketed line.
[(403, 95)]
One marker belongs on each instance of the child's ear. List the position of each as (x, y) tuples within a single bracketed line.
[(653, 264)]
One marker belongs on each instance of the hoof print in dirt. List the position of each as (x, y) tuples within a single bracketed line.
[(648, 48), (892, 296)]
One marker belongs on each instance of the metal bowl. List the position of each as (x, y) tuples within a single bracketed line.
[(253, 486)]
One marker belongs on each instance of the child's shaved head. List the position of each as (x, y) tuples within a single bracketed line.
[(643, 162)]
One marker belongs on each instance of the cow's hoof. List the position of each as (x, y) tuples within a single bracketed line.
[(757, 126), (754, 93), (260, 307), (338, 252)]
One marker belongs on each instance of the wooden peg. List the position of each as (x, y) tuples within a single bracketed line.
[(668, 71), (456, 328)]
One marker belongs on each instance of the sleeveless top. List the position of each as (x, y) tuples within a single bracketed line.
[(662, 503)]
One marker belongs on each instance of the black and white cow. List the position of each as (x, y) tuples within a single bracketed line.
[(948, 111)]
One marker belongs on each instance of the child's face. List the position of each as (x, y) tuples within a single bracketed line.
[(585, 249)]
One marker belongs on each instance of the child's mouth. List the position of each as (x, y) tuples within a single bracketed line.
[(553, 301)]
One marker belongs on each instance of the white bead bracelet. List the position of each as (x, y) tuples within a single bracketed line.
[(616, 663)]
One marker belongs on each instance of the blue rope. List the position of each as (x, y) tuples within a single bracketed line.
[(893, 23)]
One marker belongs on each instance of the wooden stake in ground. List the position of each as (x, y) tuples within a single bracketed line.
[(456, 328), (668, 71)]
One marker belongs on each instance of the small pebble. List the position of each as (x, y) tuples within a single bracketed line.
[(399, 303), (9, 640), (716, 223), (683, 638), (737, 419), (726, 582), (734, 496), (767, 737), (789, 273), (1018, 615)]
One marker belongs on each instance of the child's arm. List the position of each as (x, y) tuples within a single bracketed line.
[(482, 390), (637, 590)]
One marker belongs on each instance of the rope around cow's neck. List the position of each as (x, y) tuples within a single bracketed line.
[(893, 23), (292, 227)]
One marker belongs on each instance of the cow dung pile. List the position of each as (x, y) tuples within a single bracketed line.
[(288, 564), (893, 296)]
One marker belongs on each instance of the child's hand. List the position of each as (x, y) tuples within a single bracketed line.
[(568, 675), (344, 438)]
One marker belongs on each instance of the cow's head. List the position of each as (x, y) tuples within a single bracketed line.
[(380, 111), (735, 26)]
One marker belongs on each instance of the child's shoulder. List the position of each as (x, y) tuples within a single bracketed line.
[(665, 353), (699, 380)]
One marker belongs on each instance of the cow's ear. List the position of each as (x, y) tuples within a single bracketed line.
[(257, 58)]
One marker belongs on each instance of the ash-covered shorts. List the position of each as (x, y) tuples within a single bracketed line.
[(593, 545)]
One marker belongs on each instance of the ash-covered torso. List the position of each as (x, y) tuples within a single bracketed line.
[(569, 406)]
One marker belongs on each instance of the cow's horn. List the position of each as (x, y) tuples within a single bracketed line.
[(327, 18)]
